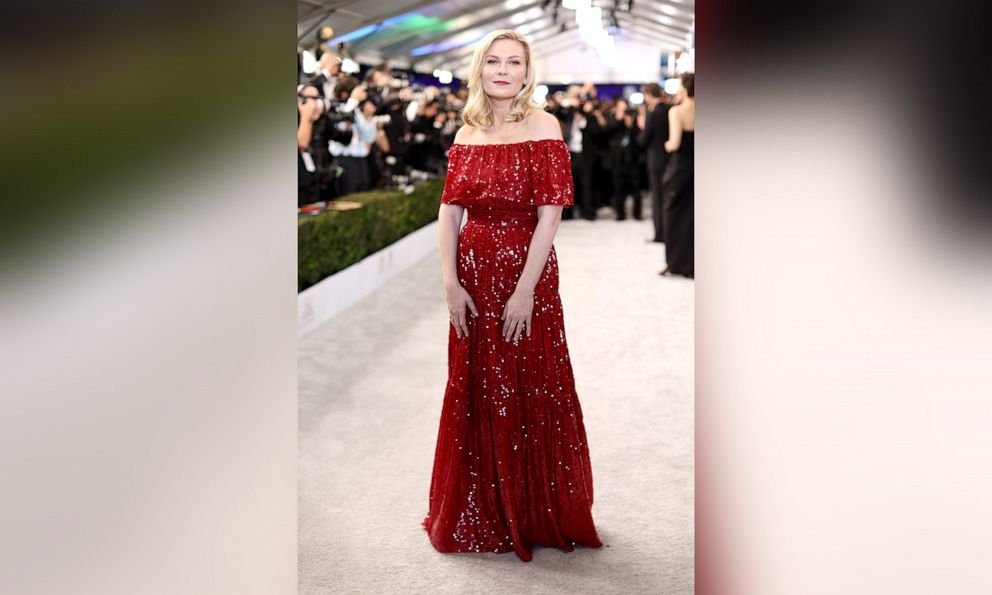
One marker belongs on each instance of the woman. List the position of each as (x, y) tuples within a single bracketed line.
[(511, 467), (678, 182)]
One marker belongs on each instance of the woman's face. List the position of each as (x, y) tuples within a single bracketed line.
[(504, 69), (368, 109)]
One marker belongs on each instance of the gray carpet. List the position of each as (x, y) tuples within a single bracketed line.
[(371, 382)]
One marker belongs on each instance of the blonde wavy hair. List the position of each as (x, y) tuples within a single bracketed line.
[(478, 110)]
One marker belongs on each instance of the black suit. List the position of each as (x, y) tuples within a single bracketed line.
[(625, 162), (426, 153), (397, 131), (653, 137), (583, 163), (320, 81), (320, 184)]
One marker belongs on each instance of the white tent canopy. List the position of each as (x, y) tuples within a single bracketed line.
[(627, 41)]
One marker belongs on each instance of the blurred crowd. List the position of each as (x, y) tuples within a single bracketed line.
[(624, 149), (378, 130), (355, 134)]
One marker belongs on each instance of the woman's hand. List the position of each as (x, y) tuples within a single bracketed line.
[(517, 315), (359, 93), (459, 303)]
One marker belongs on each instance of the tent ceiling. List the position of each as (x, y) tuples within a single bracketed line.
[(424, 35)]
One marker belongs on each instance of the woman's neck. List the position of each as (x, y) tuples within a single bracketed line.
[(501, 109)]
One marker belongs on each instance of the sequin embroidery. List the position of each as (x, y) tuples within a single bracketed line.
[(512, 405)]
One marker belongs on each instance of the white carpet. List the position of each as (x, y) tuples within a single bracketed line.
[(371, 382)]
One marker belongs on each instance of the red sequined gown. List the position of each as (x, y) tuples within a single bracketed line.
[(511, 466)]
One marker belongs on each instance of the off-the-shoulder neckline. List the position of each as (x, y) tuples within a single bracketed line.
[(522, 142)]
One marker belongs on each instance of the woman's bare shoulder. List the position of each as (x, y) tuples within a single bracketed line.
[(464, 134), (544, 126)]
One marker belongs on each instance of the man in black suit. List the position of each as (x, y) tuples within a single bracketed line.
[(625, 158), (426, 153), (582, 129), (308, 130), (326, 77), (653, 135)]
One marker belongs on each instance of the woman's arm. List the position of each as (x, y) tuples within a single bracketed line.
[(674, 131), (518, 311), (548, 218), (449, 221), (520, 306), (382, 141), (459, 301)]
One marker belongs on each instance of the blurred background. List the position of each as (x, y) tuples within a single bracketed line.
[(149, 295), (406, 64), (381, 87), (380, 91)]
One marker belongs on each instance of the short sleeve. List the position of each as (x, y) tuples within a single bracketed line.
[(450, 192), (552, 174)]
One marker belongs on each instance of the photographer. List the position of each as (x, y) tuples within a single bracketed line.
[(582, 127), (352, 155), (654, 133), (451, 106), (314, 132), (426, 152), (376, 158), (602, 180), (328, 69), (625, 159), (392, 97), (308, 112)]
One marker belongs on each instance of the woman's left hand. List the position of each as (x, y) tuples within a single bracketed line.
[(517, 315)]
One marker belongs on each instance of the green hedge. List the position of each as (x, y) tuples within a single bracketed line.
[(334, 240)]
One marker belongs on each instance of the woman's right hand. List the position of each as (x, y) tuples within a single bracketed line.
[(459, 304)]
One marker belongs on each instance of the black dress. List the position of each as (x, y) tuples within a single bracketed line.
[(678, 206)]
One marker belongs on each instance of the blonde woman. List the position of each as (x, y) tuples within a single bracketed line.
[(511, 466)]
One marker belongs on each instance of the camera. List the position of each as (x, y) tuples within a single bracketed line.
[(335, 117), (328, 107), (323, 104)]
